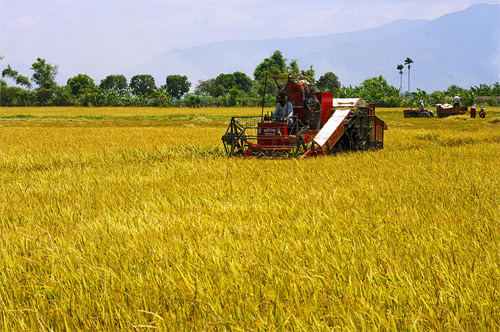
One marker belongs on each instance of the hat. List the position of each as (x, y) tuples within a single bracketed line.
[(282, 96)]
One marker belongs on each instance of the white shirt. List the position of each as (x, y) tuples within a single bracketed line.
[(456, 100), (285, 111)]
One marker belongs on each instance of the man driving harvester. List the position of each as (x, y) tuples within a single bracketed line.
[(284, 109)]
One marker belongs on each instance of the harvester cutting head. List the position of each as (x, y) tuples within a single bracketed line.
[(320, 125)]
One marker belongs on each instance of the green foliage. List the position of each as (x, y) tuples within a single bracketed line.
[(15, 96), (274, 65), (419, 95), (62, 96), (493, 102), (9, 72), (233, 94), (220, 86), (177, 85), (206, 87), (218, 91), (45, 95), (454, 90), (227, 81), (437, 97), (194, 101), (242, 81), (293, 68), (23, 81), (19, 79), (81, 84), (495, 90), (408, 62), (160, 97), (236, 89), (44, 74), (375, 89), (142, 85), (468, 97), (309, 74), (329, 82), (116, 83)]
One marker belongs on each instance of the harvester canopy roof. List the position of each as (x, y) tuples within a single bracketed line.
[(349, 102)]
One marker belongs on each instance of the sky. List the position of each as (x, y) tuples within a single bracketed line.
[(102, 37)]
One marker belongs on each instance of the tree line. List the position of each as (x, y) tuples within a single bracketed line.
[(227, 89)]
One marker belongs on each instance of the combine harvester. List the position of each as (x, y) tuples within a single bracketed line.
[(320, 125)]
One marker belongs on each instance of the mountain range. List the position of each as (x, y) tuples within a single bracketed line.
[(461, 48)]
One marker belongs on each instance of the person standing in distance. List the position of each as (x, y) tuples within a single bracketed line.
[(473, 111)]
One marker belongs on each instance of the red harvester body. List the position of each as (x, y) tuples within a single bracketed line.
[(320, 125)]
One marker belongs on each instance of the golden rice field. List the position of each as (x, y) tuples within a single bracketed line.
[(132, 219)]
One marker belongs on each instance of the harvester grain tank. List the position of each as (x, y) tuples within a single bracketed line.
[(445, 110), (320, 125)]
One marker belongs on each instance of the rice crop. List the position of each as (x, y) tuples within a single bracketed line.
[(133, 219)]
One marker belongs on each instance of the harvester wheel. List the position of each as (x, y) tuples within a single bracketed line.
[(300, 146), (233, 143)]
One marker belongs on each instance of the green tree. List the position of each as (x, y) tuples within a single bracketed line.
[(293, 68), (274, 65), (243, 82), (14, 75), (495, 90), (377, 90), (2, 82), (233, 94), (116, 83), (62, 96), (328, 82), (218, 91), (468, 97), (228, 81), (309, 74), (206, 87), (419, 95), (15, 96), (44, 74), (400, 67), (437, 97), (454, 90), (194, 101), (177, 85), (160, 97), (408, 62), (142, 85), (9, 72), (81, 84)]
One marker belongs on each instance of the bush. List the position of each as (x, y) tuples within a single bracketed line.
[(15, 96)]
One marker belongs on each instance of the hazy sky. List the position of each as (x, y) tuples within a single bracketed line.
[(108, 36)]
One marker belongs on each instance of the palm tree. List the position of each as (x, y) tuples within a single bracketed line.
[(400, 68), (408, 61)]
